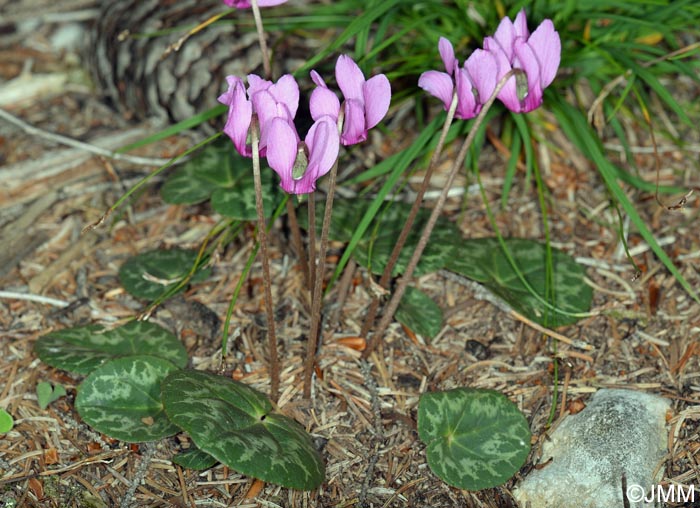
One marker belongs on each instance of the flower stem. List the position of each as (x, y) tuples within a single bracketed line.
[(317, 296), (261, 38), (425, 235), (296, 237), (312, 244), (262, 239), (394, 257)]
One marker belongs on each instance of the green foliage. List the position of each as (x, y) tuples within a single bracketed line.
[(6, 422), (484, 261), (476, 439), (419, 313), (84, 348), (46, 393), (152, 274), (219, 173), (234, 424), (194, 458), (122, 399)]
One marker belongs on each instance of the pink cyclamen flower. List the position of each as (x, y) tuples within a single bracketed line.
[(474, 82), (244, 4), (537, 55), (366, 102)]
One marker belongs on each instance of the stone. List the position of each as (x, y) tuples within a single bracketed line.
[(620, 432)]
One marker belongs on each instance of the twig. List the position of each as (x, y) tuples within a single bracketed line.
[(63, 140), (12, 295), (139, 474)]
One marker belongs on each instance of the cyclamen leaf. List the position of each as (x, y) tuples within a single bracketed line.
[(476, 439), (233, 423), (84, 348), (419, 313), (122, 399)]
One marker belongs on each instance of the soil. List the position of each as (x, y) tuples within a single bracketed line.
[(644, 328)]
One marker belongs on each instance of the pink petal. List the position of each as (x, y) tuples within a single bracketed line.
[(324, 143), (483, 71), (447, 53), (520, 25), (317, 79), (546, 45), (324, 102), (349, 77), (438, 84), (505, 37), (286, 91), (265, 107), (354, 130), (244, 4), (377, 95), (467, 106), (257, 84), (282, 151), (240, 113), (527, 59)]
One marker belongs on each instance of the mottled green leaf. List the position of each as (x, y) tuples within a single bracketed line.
[(484, 261), (476, 439), (46, 393), (122, 399), (419, 313), (84, 348), (234, 424), (150, 274), (194, 458)]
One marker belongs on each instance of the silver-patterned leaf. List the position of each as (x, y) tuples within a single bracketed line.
[(122, 399), (476, 439)]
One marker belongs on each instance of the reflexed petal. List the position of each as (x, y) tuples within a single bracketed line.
[(324, 102), (317, 79), (520, 25), (529, 63), (349, 77), (265, 107), (240, 113), (354, 130), (377, 94), (282, 151), (467, 106), (286, 91), (447, 53), (438, 84), (505, 37), (324, 143), (257, 84), (546, 45), (244, 4), (483, 71)]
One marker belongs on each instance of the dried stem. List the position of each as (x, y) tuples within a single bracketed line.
[(312, 244), (317, 296), (262, 239), (296, 238), (425, 235), (386, 275), (261, 38)]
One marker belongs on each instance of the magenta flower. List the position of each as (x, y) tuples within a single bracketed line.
[(474, 82), (244, 4), (537, 54), (366, 102)]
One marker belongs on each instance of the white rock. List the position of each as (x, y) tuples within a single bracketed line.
[(619, 432)]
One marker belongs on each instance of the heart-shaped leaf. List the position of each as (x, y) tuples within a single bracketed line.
[(46, 393), (122, 399), (419, 313), (484, 261), (233, 423), (84, 348), (476, 439), (194, 458), (151, 274)]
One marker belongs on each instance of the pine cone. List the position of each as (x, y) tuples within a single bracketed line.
[(132, 65)]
